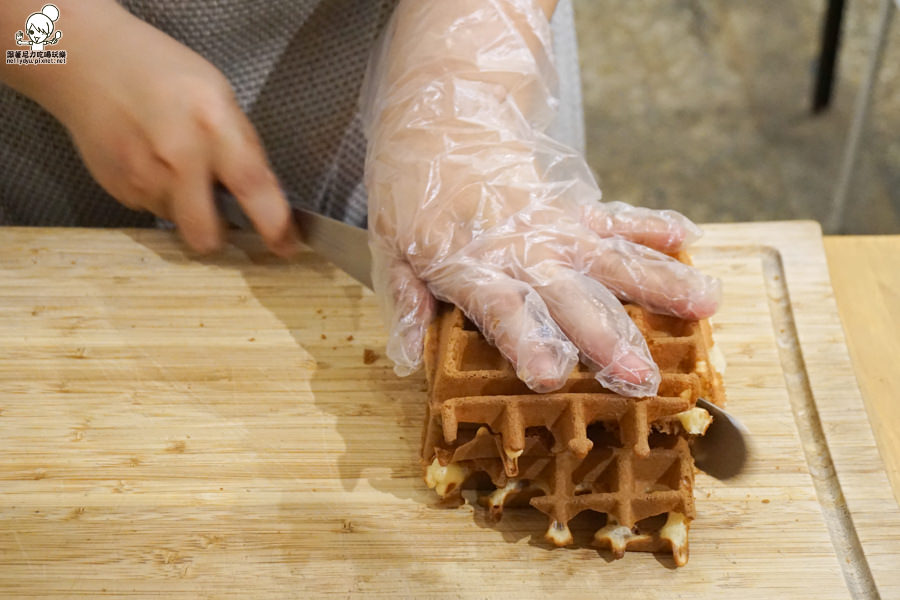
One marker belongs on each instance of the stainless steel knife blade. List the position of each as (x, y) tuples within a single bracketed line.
[(344, 245)]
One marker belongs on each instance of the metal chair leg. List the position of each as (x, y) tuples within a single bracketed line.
[(860, 114), (831, 40)]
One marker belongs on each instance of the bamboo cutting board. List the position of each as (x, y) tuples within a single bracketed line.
[(211, 429)]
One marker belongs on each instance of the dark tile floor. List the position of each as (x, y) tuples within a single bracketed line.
[(703, 106)]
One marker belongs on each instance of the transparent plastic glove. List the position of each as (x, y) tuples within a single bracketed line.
[(470, 203)]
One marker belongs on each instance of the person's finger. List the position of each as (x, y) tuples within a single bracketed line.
[(652, 279), (409, 308), (240, 165), (191, 207), (514, 318), (137, 178), (663, 230), (594, 319)]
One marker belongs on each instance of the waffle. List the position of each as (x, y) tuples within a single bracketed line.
[(581, 448)]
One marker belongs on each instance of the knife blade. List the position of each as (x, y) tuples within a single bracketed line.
[(344, 245)]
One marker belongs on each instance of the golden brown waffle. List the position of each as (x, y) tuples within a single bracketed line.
[(581, 448)]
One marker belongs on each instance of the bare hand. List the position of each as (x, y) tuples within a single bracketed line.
[(157, 126)]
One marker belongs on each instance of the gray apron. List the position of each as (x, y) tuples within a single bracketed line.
[(299, 85)]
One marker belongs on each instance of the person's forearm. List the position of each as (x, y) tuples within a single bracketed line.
[(548, 6), (458, 78), (501, 48)]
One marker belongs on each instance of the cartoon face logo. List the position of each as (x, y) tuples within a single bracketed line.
[(40, 27)]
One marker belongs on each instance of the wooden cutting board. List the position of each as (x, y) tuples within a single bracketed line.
[(210, 429)]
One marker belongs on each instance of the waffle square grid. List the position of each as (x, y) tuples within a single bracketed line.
[(581, 448)]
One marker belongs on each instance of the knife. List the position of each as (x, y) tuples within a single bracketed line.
[(344, 245)]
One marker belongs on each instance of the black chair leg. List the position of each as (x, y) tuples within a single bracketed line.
[(831, 39)]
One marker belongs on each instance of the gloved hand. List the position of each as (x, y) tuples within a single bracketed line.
[(469, 202)]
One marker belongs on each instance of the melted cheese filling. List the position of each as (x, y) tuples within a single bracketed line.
[(444, 479), (559, 534), (695, 420)]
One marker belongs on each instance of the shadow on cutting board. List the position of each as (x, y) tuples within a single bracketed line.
[(305, 454), (345, 384), (377, 415)]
